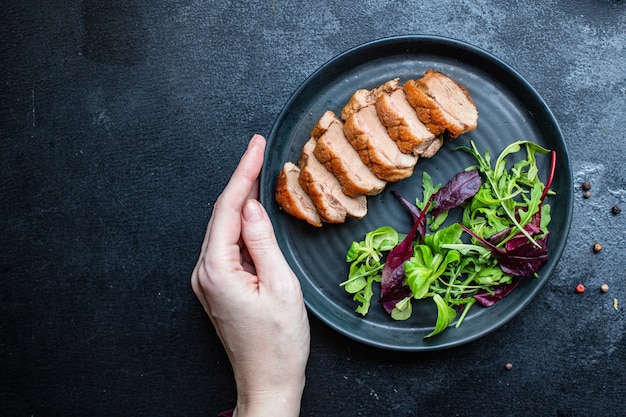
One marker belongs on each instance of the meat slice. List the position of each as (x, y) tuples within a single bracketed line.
[(433, 148), (403, 125), (376, 149), (339, 157), (362, 98), (442, 104), (325, 191), (291, 197)]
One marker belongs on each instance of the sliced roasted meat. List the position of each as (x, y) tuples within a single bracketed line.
[(403, 125), (292, 198), (362, 98), (381, 135), (376, 149), (434, 146), (442, 104), (338, 156), (325, 191)]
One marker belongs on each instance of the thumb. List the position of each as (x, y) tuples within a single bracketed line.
[(257, 233)]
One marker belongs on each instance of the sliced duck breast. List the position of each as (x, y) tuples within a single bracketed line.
[(339, 157), (325, 191), (362, 98), (442, 104), (403, 125), (292, 198), (434, 146), (377, 150)]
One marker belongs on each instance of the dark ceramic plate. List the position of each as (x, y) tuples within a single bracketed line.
[(509, 110)]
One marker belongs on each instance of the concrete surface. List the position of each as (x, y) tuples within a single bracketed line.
[(120, 123)]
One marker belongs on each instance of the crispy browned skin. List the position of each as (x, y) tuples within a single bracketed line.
[(325, 190), (291, 197), (338, 156), (442, 104), (429, 112), (403, 125), (376, 149), (362, 98)]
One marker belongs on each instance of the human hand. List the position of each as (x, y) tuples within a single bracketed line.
[(252, 296)]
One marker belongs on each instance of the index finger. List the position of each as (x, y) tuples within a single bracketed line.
[(226, 218)]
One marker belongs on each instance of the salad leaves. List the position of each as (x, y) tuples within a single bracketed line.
[(500, 239), (366, 264), (392, 288)]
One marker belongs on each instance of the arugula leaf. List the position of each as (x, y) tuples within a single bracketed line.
[(502, 184), (429, 190)]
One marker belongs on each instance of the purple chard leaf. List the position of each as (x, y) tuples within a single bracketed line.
[(392, 288), (461, 187), (488, 299), (415, 213), (521, 257), (395, 290)]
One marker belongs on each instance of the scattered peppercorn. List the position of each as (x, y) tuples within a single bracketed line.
[(597, 247), (604, 288), (616, 210), (580, 288), (587, 194), (508, 366), (586, 186)]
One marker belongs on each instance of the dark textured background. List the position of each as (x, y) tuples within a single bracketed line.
[(120, 123)]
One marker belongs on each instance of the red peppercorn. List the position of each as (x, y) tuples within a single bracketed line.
[(580, 288)]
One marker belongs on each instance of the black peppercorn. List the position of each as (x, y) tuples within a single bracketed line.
[(616, 210), (586, 186)]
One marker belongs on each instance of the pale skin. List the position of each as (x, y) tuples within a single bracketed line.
[(252, 297)]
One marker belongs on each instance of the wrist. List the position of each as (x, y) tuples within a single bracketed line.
[(285, 403)]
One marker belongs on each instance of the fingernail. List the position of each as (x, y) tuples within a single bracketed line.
[(255, 139), (252, 211)]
